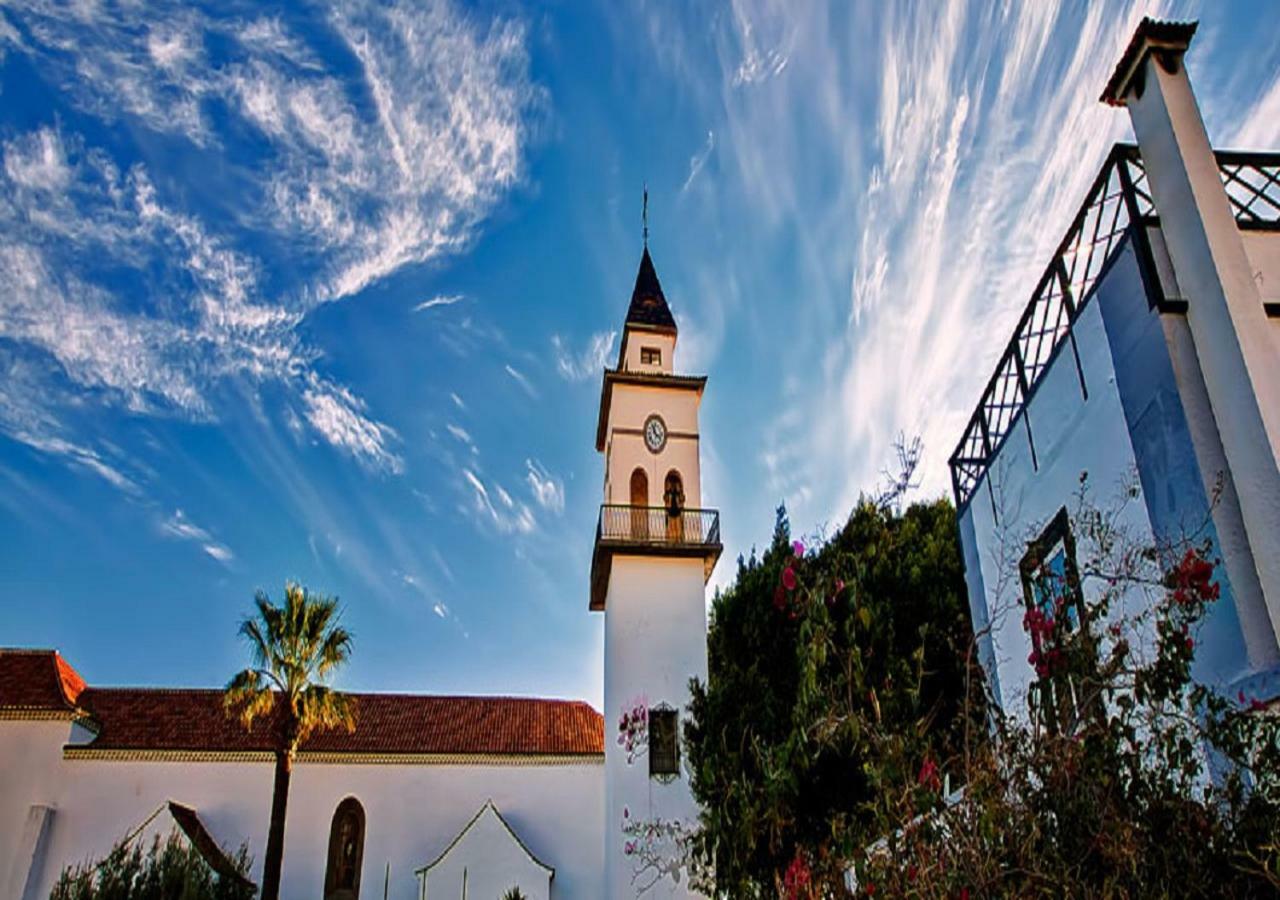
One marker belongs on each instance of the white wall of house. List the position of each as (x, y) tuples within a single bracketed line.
[(1072, 435), (412, 812)]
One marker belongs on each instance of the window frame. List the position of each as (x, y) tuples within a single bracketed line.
[(349, 806), (1061, 705), (664, 763), (650, 356)]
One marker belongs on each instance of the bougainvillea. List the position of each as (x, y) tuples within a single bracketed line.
[(633, 729)]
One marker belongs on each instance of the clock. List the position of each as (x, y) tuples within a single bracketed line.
[(655, 433)]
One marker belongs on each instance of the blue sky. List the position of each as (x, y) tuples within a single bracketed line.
[(326, 295)]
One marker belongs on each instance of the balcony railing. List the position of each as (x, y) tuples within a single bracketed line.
[(1119, 197), (652, 530), (657, 525)]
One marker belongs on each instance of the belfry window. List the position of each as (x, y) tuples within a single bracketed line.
[(650, 356), (664, 743), (346, 852)]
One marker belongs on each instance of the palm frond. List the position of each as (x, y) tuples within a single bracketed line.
[(295, 648)]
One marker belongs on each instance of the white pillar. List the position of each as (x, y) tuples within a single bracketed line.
[(1225, 313), (28, 861)]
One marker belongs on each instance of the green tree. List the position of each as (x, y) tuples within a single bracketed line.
[(169, 870), (294, 650), (819, 659)]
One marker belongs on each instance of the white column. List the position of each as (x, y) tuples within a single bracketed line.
[(1225, 312), (24, 876)]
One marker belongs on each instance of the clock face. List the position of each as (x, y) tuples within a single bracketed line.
[(655, 433)]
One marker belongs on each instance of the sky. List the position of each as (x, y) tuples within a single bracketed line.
[(325, 294)]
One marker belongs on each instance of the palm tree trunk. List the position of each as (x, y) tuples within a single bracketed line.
[(275, 835)]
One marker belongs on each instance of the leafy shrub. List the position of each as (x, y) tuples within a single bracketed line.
[(169, 870)]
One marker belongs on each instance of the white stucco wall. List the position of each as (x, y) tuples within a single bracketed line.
[(487, 862), (631, 406), (638, 338), (29, 751), (1072, 435), (412, 812), (1263, 250), (655, 641)]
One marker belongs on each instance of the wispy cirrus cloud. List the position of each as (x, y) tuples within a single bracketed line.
[(547, 490), (964, 136), (440, 300), (495, 508), (586, 363), (181, 527), (150, 303)]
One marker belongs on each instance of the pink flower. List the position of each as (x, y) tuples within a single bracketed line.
[(788, 579), (797, 547)]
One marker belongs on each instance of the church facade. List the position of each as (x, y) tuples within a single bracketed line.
[(431, 796), (1146, 365)]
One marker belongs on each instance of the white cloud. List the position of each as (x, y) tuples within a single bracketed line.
[(587, 363), (461, 434), (507, 516), (180, 527), (547, 490), (519, 377), (441, 300), (338, 416), (352, 191), (698, 160)]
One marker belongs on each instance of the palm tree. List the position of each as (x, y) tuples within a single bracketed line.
[(294, 649)]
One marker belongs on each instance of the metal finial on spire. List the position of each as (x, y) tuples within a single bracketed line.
[(644, 215)]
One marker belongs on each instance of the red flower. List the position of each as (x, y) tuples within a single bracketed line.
[(789, 579), (928, 776), (779, 598)]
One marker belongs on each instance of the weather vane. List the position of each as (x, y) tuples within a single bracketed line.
[(644, 216)]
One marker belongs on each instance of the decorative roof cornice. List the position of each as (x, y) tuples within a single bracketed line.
[(1168, 40), (89, 753)]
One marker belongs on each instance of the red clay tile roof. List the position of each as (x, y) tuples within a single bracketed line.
[(38, 680), (194, 720), (168, 719)]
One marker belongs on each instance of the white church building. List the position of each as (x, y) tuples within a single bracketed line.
[(438, 797), (1148, 355)]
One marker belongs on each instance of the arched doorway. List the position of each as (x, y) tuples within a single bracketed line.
[(673, 500), (346, 852), (639, 504)]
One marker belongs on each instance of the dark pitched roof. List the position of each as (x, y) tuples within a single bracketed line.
[(648, 304), (38, 680), (1149, 33), (194, 720)]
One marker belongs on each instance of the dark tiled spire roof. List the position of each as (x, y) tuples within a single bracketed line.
[(648, 304)]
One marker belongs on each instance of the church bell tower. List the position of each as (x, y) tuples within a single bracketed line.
[(655, 549)]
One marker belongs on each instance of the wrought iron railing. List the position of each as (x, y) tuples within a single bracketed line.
[(658, 526), (1118, 198)]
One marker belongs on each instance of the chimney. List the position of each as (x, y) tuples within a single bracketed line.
[(1225, 314)]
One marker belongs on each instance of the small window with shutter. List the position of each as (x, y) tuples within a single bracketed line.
[(650, 356), (664, 743)]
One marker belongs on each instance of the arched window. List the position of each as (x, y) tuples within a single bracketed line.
[(346, 851), (639, 502), (673, 500)]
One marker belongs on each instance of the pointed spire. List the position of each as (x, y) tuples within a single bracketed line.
[(644, 216), (648, 304)]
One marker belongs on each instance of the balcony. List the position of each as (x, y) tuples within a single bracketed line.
[(1118, 206), (652, 531)]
